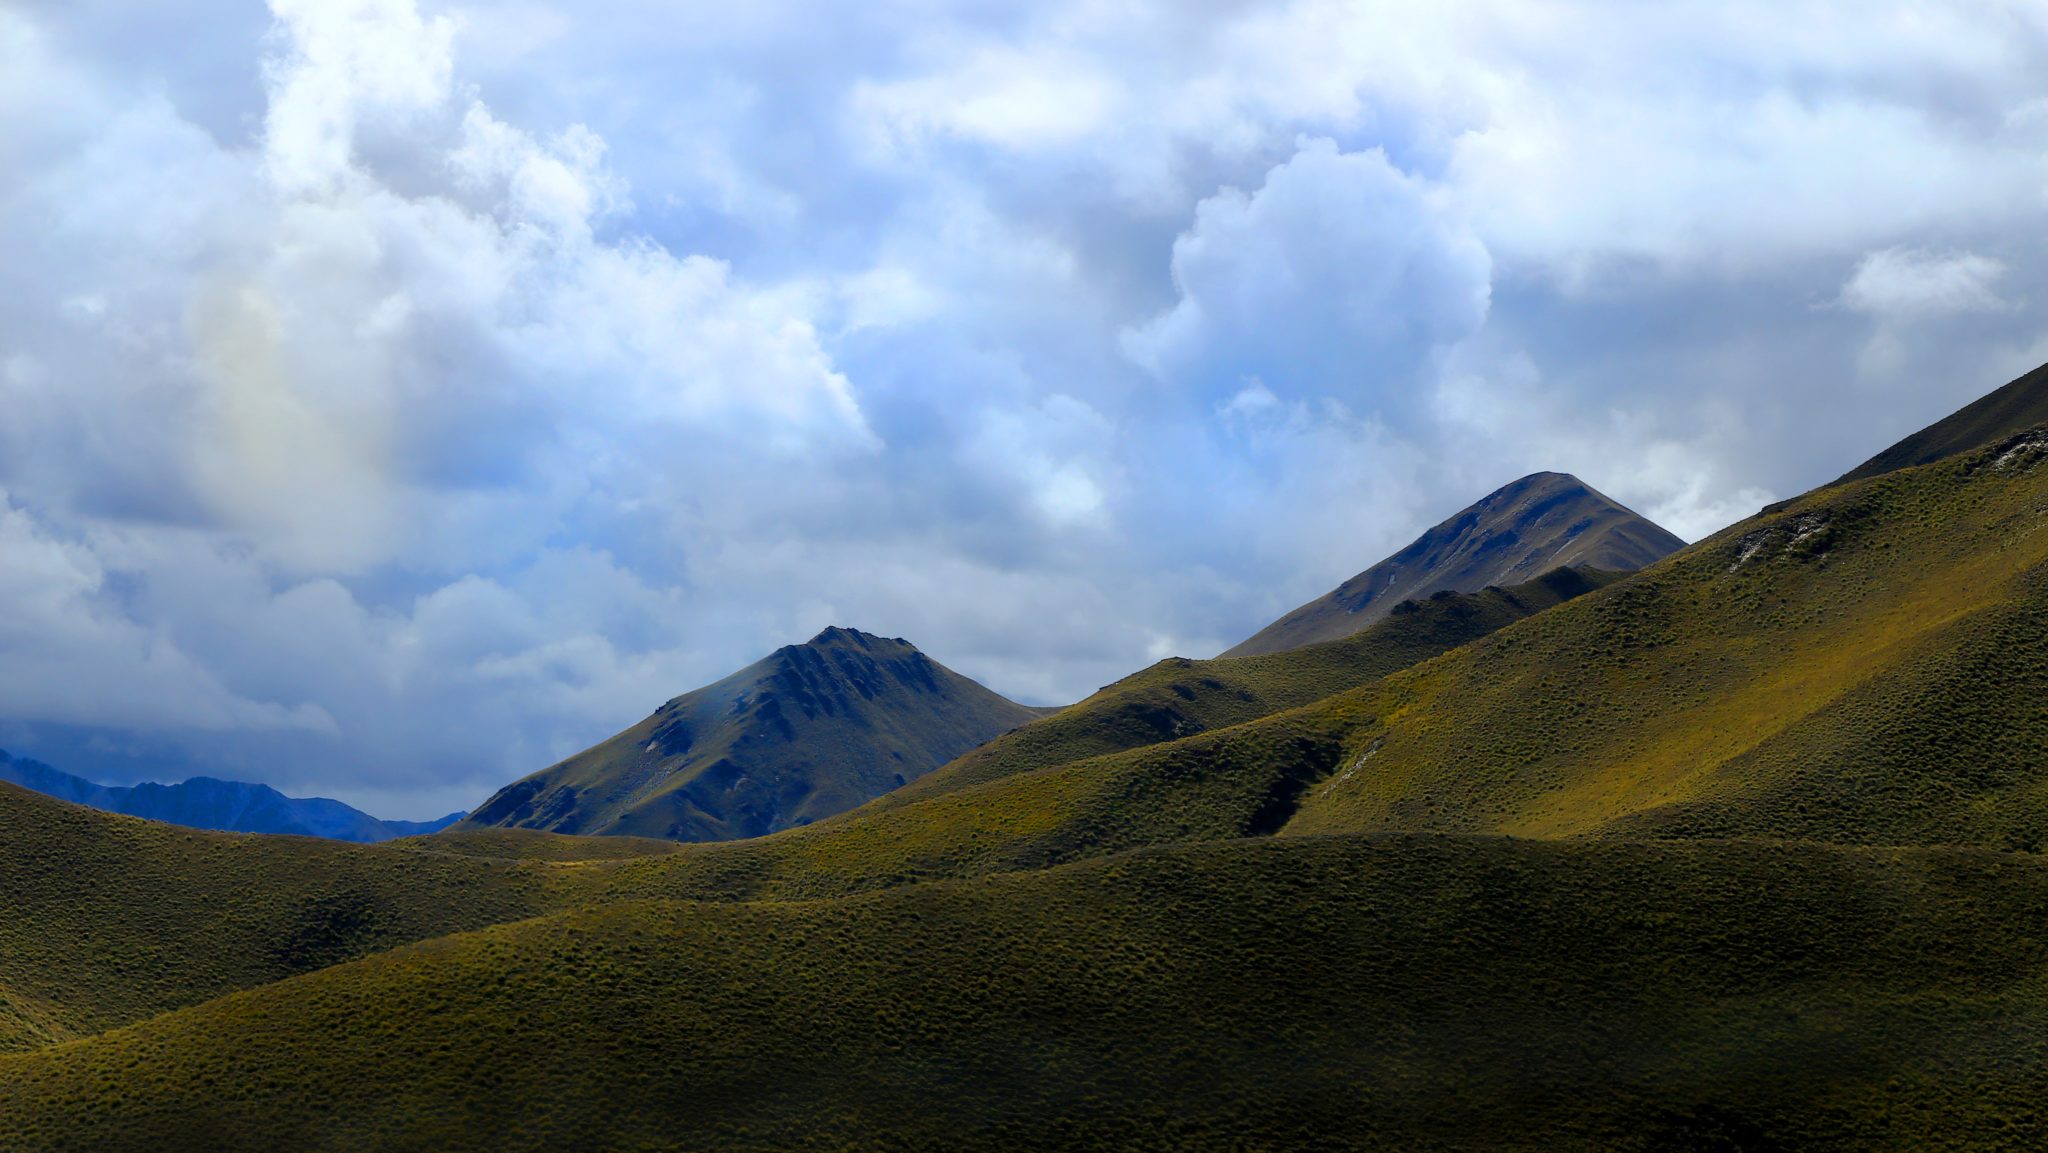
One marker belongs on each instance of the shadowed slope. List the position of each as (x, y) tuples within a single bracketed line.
[(110, 919), (1329, 993), (811, 730), (1540, 522), (2013, 408)]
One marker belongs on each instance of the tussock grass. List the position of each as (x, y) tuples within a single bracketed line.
[(1407, 992), (109, 919)]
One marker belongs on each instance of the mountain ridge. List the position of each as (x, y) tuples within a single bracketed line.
[(2014, 407), (1542, 521), (221, 805)]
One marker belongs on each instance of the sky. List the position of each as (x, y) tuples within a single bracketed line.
[(397, 396)]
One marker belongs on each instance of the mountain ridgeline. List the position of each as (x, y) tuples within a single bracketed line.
[(206, 803), (809, 731), (1543, 521), (2015, 408)]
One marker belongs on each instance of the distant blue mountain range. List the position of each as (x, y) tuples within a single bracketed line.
[(205, 803)]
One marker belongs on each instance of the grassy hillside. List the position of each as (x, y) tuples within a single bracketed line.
[(2016, 407), (1352, 992), (1510, 536), (1866, 664), (1179, 697), (535, 845), (1235, 782), (110, 919), (807, 732)]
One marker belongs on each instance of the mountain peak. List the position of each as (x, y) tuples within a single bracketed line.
[(1515, 533), (807, 731), (840, 636)]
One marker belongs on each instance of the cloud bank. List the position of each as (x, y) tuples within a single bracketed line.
[(400, 395)]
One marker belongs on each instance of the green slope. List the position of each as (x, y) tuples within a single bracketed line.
[(1338, 993), (1535, 524), (809, 731), (2013, 408), (1179, 697), (1866, 664), (111, 919)]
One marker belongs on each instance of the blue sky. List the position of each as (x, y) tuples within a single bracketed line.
[(397, 396)]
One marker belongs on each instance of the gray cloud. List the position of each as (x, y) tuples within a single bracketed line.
[(400, 396)]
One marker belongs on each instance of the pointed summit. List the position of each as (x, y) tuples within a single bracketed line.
[(808, 731), (1545, 520)]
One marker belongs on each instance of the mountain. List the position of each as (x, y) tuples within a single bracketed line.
[(229, 806), (1540, 522), (1864, 664), (809, 731), (2014, 408)]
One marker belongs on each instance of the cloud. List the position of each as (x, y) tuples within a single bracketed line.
[(1341, 276), (1905, 283), (64, 631), (401, 394), (342, 68)]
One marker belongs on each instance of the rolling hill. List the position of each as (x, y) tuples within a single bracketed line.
[(110, 919), (228, 806), (809, 731), (1358, 992), (1538, 523)]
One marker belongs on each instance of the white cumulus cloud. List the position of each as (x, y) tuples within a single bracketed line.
[(1909, 282)]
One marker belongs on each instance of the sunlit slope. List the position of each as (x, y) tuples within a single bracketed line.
[(110, 919), (1179, 697), (1351, 992), (1867, 664)]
